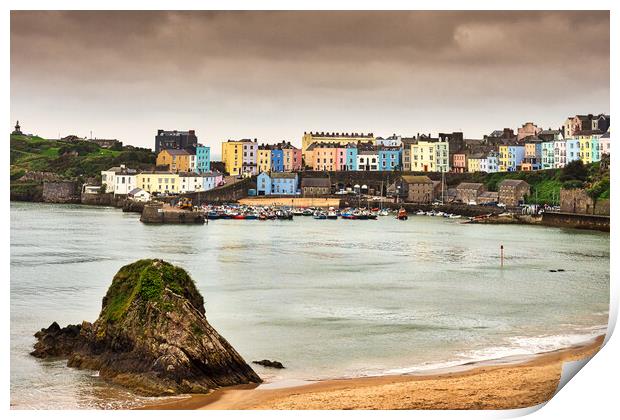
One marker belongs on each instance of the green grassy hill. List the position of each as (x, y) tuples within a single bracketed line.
[(81, 159)]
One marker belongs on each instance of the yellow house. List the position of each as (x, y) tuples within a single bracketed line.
[(430, 156), (474, 164), (585, 147), (264, 160), (177, 160), (232, 156), (158, 182), (503, 158)]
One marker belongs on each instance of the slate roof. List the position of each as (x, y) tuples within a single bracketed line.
[(283, 175), (512, 183), (469, 186), (176, 152), (416, 179), (316, 182)]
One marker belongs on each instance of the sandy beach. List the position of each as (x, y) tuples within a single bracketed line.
[(499, 384)]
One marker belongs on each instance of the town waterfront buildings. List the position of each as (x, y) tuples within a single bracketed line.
[(203, 159), (512, 192), (119, 180), (175, 140), (430, 156), (315, 187), (175, 160), (338, 138), (530, 149), (237, 154), (159, 182), (572, 150), (276, 183), (526, 130), (418, 189)]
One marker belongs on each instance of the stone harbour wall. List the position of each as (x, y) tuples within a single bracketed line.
[(61, 192), (158, 214), (577, 221), (578, 201)]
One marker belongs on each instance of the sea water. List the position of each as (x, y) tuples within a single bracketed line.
[(327, 298)]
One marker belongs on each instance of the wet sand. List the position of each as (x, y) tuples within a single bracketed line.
[(499, 384)]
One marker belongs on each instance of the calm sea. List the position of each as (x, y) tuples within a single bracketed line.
[(326, 298)]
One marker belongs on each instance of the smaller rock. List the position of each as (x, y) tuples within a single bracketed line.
[(552, 271), (269, 363), (55, 341), (560, 270)]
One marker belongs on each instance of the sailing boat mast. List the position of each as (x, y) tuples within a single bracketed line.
[(443, 178)]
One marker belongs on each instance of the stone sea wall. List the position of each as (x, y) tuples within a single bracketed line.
[(61, 192), (577, 221), (158, 214), (578, 201)]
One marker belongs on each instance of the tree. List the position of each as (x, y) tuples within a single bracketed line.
[(574, 171)]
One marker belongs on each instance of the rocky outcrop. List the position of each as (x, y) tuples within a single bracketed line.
[(269, 363), (151, 336)]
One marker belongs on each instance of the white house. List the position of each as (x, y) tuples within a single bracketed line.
[(367, 160), (392, 141), (138, 194), (119, 180), (192, 182)]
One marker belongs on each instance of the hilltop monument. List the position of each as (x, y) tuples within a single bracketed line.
[(17, 130)]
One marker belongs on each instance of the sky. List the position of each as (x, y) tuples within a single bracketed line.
[(274, 75)]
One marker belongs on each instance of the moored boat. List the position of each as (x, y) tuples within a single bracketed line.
[(320, 215), (402, 214)]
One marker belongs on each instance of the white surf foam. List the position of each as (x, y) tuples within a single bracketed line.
[(518, 348)]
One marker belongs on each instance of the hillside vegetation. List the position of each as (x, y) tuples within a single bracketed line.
[(546, 184), (81, 159)]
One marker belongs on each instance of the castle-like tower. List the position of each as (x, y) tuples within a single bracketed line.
[(17, 128)]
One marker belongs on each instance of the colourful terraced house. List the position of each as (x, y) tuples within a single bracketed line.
[(158, 182), (389, 158), (263, 161), (572, 150), (277, 160), (548, 154)]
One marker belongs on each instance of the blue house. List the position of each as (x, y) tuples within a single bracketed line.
[(279, 183), (277, 160), (203, 159), (572, 150), (515, 157), (284, 183), (389, 158), (351, 161), (263, 184)]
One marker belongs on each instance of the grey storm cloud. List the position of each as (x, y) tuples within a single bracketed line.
[(252, 66)]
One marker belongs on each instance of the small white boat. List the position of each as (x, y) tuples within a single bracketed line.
[(421, 213), (455, 216)]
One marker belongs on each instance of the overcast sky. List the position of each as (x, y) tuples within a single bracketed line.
[(274, 75)]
